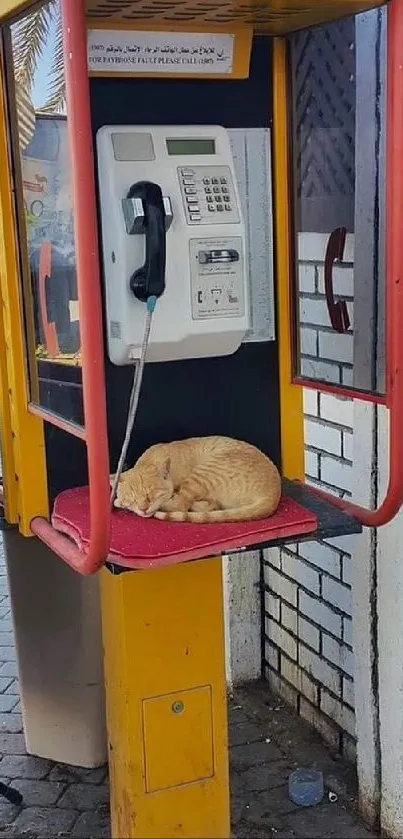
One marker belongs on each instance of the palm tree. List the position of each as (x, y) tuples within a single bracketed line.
[(30, 37)]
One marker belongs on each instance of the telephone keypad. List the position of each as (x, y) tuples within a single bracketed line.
[(212, 190)]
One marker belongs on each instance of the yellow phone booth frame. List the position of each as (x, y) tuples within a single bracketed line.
[(164, 649)]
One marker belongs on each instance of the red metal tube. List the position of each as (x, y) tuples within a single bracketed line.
[(89, 294), (85, 563)]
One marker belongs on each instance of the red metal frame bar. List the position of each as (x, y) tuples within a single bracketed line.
[(65, 425), (89, 293), (344, 392), (394, 281)]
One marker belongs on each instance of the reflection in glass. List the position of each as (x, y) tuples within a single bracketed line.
[(45, 211), (338, 124)]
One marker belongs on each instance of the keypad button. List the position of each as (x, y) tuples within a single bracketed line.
[(216, 189), (220, 208), (188, 182), (195, 217), (225, 189), (215, 181), (192, 199), (217, 197), (223, 180), (226, 198), (190, 190), (211, 208), (207, 189), (206, 180), (209, 198), (187, 173), (228, 207)]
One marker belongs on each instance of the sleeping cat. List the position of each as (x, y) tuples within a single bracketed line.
[(202, 479)]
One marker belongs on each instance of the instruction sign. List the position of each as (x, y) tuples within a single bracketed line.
[(129, 51)]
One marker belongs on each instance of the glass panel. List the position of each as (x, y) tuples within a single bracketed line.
[(42, 166), (338, 114)]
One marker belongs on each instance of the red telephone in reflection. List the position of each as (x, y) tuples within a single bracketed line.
[(45, 272), (337, 309)]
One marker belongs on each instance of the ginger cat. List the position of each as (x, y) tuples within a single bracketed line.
[(202, 479)]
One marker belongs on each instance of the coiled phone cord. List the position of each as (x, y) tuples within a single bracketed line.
[(135, 394)]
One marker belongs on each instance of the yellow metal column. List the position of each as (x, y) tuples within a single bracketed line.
[(166, 701)]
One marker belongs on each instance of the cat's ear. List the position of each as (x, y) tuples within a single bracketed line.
[(166, 468)]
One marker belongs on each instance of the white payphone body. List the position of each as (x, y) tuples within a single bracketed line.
[(204, 310)]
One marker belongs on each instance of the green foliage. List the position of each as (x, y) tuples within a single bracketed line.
[(30, 37)]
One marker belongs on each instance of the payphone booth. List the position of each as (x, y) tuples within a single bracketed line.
[(151, 200)]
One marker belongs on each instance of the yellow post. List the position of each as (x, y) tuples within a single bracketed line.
[(291, 395), (166, 701)]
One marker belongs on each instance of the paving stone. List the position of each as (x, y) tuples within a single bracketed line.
[(6, 638), (9, 668), (12, 744), (8, 814), (25, 766), (17, 709), (4, 611), (264, 777), (84, 796), (262, 806), (252, 754), (76, 774), (11, 723), (39, 793), (44, 822), (245, 732), (8, 702), (327, 820), (236, 714), (93, 825), (5, 681)]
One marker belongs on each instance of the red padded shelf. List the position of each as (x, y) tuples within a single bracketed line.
[(149, 543)]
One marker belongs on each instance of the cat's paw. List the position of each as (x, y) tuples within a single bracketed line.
[(203, 506), (169, 506), (175, 504)]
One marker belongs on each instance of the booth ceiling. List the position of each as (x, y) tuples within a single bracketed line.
[(274, 17)]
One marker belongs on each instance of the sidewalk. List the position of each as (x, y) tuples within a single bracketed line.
[(267, 743)]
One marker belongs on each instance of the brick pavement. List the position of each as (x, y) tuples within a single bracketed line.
[(267, 743)]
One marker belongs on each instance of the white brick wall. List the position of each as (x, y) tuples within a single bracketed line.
[(309, 656)]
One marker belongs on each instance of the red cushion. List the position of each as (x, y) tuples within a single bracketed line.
[(148, 543)]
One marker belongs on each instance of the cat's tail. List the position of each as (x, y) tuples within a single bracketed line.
[(249, 512)]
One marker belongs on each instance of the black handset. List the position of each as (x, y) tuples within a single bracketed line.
[(149, 280)]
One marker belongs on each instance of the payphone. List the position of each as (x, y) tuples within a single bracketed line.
[(170, 206)]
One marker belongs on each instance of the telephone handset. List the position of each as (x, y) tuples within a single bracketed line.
[(149, 280), (338, 312)]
